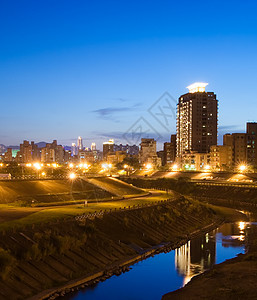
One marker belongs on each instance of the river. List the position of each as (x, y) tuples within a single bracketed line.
[(151, 278)]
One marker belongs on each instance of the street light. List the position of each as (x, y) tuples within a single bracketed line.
[(242, 168), (174, 167), (72, 176), (207, 167), (37, 166), (149, 166)]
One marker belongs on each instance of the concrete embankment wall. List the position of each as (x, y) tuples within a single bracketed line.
[(51, 255)]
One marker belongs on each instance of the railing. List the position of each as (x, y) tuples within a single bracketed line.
[(101, 213), (245, 185)]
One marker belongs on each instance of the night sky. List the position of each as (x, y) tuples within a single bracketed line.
[(93, 68)]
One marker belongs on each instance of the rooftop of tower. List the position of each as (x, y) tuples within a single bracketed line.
[(197, 87)]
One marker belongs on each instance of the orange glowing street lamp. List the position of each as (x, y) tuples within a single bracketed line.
[(72, 176), (242, 168)]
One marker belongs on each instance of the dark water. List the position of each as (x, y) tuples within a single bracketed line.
[(163, 273)]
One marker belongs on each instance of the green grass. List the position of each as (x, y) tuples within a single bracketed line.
[(41, 215)]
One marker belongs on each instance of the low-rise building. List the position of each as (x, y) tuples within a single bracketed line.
[(148, 154), (116, 157), (221, 158), (195, 161)]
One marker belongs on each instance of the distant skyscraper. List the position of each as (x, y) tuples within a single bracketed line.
[(197, 120), (80, 143), (93, 146), (73, 149)]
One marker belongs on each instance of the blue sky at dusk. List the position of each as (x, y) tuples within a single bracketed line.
[(93, 68)]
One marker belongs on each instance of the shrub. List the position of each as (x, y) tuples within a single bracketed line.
[(7, 263)]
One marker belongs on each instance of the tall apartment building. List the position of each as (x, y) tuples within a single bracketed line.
[(52, 152), (251, 131), (93, 147), (28, 152), (80, 143), (169, 149), (107, 148), (237, 141), (197, 120), (243, 145), (74, 149)]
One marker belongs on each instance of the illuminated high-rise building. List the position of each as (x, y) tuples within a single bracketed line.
[(93, 147), (197, 120), (107, 148), (73, 149), (80, 143)]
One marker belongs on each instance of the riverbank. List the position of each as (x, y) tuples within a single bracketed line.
[(120, 267), (233, 279), (70, 253)]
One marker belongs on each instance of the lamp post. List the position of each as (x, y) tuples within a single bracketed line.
[(37, 166), (72, 177)]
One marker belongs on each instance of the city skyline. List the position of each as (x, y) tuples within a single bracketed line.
[(79, 140), (71, 76)]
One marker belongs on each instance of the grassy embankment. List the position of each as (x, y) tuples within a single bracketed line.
[(15, 213), (242, 198), (15, 217), (38, 193), (233, 279), (48, 248), (46, 255)]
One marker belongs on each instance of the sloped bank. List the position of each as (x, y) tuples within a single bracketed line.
[(232, 279), (70, 253)]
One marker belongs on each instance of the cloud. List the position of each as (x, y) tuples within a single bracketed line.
[(122, 99), (228, 127), (110, 113)]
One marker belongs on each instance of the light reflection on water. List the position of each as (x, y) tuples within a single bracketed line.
[(163, 273)]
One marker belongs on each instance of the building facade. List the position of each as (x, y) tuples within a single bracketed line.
[(52, 152), (107, 148), (148, 154), (80, 143), (8, 155), (197, 120), (243, 146), (221, 158), (195, 161), (169, 150), (28, 152)]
